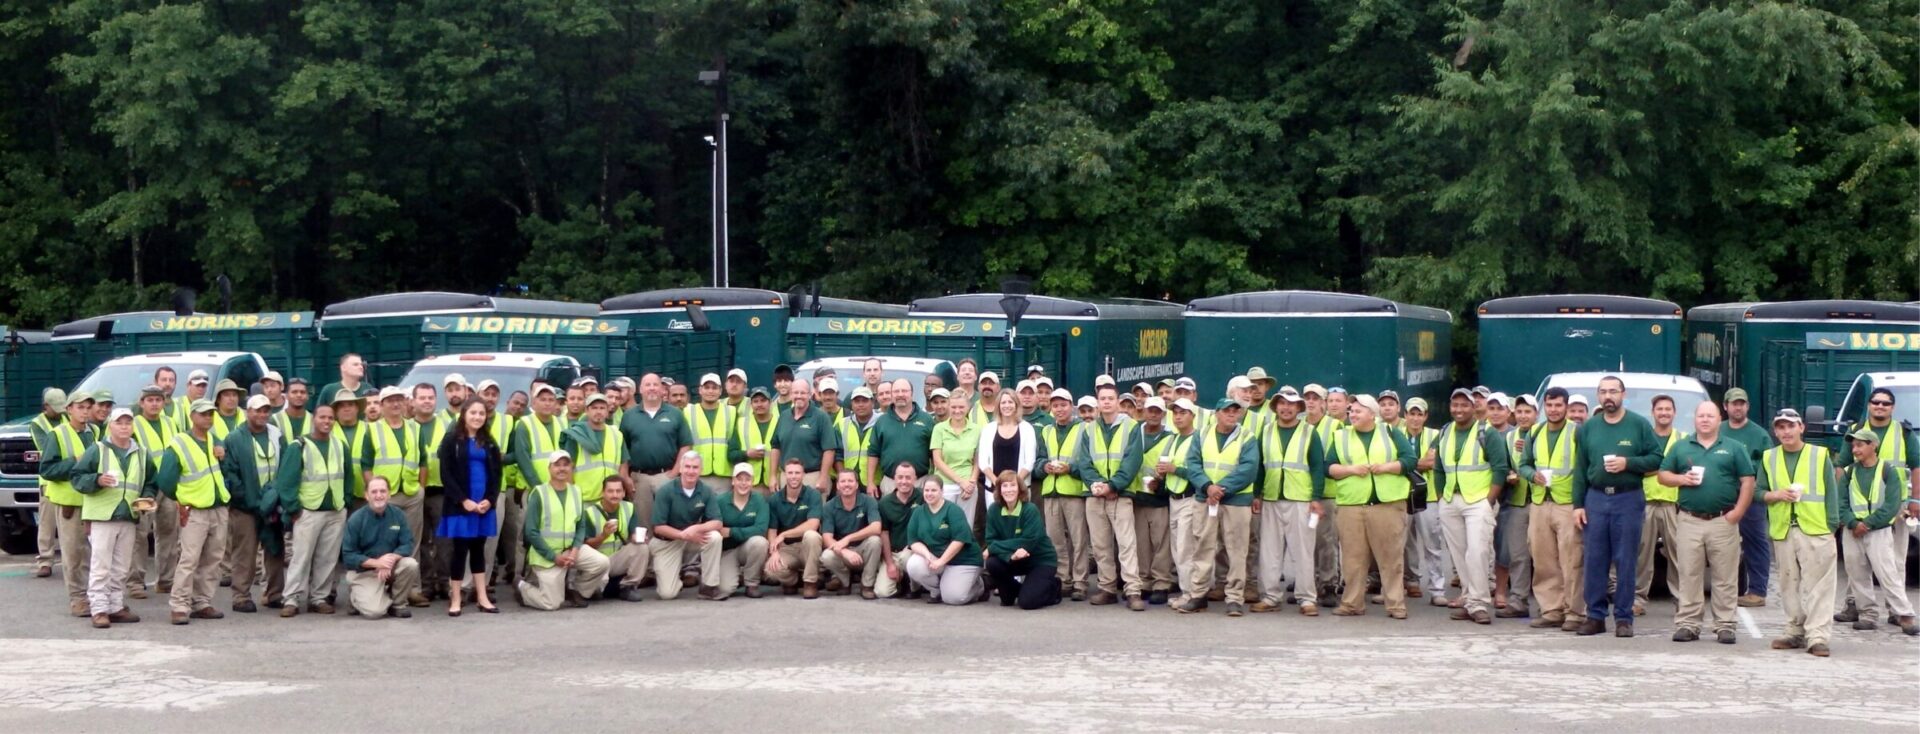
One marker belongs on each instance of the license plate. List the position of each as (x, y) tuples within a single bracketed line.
[(31, 457)]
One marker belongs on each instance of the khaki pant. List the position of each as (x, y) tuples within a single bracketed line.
[(1511, 527), (1661, 520), (1370, 534), (1155, 557), (955, 584), (1179, 512), (629, 564), (244, 553), (799, 560), (1708, 552), (163, 527), (1424, 532), (871, 563), (546, 588), (1284, 536), (1195, 559), (109, 552), (413, 508), (1066, 519), (372, 597), (1808, 580), (1326, 547), (313, 556), (884, 585), (1467, 528), (1229, 529), (1110, 525), (1558, 561), (667, 555), (203, 541), (71, 534), (743, 564), (1873, 557), (47, 533), (644, 488)]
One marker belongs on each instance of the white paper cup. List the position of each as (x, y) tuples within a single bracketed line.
[(1795, 490), (1313, 521), (1547, 475), (1697, 473), (643, 535)]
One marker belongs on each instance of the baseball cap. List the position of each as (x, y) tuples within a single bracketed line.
[(1166, 382), (1313, 389), (484, 384), (1864, 434), (737, 372), (598, 397), (759, 392), (1384, 394), (1736, 395), (1226, 403), (343, 395), (742, 468), (258, 401), (1043, 382), (1579, 399), (79, 396), (1032, 368), (1500, 399), (1060, 394), (118, 413), (202, 405), (545, 388), (1086, 401), (1461, 392), (1127, 397), (709, 377), (939, 392), (590, 380), (1155, 403), (1142, 387), (198, 376), (1419, 404), (829, 385), (1025, 385), (1185, 383), (461, 380), (1367, 401), (272, 376), (1482, 390), (862, 392), (391, 392), (989, 376), (1239, 382), (1290, 395), (103, 395), (1105, 380), (1787, 415), (558, 455), (226, 385), (1523, 398), (54, 398), (1185, 404), (153, 390), (624, 382)]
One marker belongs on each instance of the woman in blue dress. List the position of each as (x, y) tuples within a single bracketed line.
[(470, 470)]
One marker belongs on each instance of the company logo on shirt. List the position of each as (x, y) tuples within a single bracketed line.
[(393, 527), (1624, 442), (806, 426), (943, 526)]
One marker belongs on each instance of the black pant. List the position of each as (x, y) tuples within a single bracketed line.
[(471, 550), (1042, 588)]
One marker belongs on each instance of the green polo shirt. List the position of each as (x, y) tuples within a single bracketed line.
[(806, 437), (674, 508), (894, 516), (654, 441), (838, 521), (1752, 435), (741, 522), (1011, 529), (1727, 461), (1632, 439), (788, 515), (895, 440), (938, 530)]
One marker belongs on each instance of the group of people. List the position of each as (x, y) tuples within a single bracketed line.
[(1548, 510)]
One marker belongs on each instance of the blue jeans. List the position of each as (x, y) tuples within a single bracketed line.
[(1756, 550), (1612, 540)]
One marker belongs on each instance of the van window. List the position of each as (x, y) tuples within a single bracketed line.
[(243, 371)]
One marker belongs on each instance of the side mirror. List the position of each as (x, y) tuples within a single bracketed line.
[(1816, 414)]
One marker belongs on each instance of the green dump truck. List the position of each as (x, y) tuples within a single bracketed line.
[(1362, 343), (1135, 340), (1799, 354), (386, 330)]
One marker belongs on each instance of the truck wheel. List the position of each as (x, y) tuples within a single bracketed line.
[(23, 543)]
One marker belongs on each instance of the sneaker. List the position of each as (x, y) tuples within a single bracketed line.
[(1789, 643), (1438, 600), (631, 593), (1752, 600), (1192, 606), (1685, 635), (1592, 627), (1622, 629), (1818, 650), (1309, 609), (1235, 609), (1726, 637)]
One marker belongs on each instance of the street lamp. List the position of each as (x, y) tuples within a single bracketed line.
[(722, 260)]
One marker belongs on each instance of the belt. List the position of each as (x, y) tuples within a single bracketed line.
[(1706, 515), (1611, 491)]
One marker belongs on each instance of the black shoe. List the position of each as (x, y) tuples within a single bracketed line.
[(1193, 605), (1156, 597), (1850, 614), (1726, 637), (1622, 629), (1685, 635), (1592, 627), (1236, 609), (399, 612)]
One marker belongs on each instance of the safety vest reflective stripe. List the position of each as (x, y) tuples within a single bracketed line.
[(104, 501), (1358, 490), (154, 437), (1286, 465), (350, 438), (1810, 511), (545, 439), (291, 429), (322, 474), (591, 470), (710, 438), (1150, 455), (201, 484), (752, 435), (1061, 448), (431, 451), (1106, 453), (559, 518), (598, 516), (1893, 445), (264, 466), (1555, 456), (1219, 458), (1865, 502), (61, 492), (1656, 491), (501, 426), (1177, 484), (1469, 475)]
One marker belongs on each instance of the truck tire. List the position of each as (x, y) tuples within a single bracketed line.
[(23, 542)]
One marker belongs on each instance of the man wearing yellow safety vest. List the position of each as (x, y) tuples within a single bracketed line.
[(736, 401), (1151, 518), (116, 477), (352, 431), (1548, 461), (855, 428), (619, 533), (1293, 480), (1183, 511), (197, 385), (102, 407), (293, 418), (1715, 477), (1662, 514), (1470, 465), (254, 453), (226, 404), (1803, 513), (1426, 545), (599, 450), (1326, 542), (391, 449), (1369, 465), (561, 566), (190, 474), (68, 441), (1900, 448), (1876, 494), (1063, 496), (153, 430), (53, 414), (1108, 462), (712, 425), (1512, 556), (1223, 467), (751, 440), (312, 483)]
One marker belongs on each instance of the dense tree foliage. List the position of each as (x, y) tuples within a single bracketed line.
[(1438, 151)]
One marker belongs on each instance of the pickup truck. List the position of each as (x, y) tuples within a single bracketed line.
[(515, 371), (19, 462), (1853, 408)]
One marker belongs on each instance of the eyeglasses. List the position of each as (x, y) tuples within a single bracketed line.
[(1880, 402)]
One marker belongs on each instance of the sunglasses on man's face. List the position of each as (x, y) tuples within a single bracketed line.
[(1882, 403)]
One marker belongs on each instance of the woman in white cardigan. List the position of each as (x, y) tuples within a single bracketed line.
[(1007, 444)]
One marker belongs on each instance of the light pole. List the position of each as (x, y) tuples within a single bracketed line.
[(717, 79), (713, 212)]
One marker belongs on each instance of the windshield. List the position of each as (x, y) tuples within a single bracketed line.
[(850, 379), (1641, 400), (126, 380), (1906, 404), (511, 379)]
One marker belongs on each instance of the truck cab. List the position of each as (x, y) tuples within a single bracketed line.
[(515, 371), (1853, 408), (19, 461)]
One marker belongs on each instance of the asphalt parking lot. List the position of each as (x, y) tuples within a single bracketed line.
[(840, 664)]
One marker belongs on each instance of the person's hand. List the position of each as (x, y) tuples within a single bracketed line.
[(566, 559), (936, 565), (183, 516), (469, 505), (700, 537), (873, 490), (837, 545), (1256, 505), (893, 570), (1614, 465), (966, 491), (107, 480), (1580, 518), (1540, 478), (219, 452), (485, 505), (1859, 530), (1163, 468), (1019, 553), (774, 561), (1385, 467), (1315, 509), (853, 559), (1733, 517), (383, 574), (609, 526), (756, 454), (1360, 470), (1215, 493)]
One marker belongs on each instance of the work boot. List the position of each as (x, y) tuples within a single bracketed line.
[(1572, 624), (1865, 625), (811, 590), (78, 609), (42, 571), (1818, 650), (399, 612), (1850, 614), (124, 616), (1218, 593), (100, 622), (137, 592), (1192, 605), (1907, 625), (1262, 607), (178, 618), (289, 610), (1137, 604), (1752, 600), (163, 588), (245, 606), (1592, 627), (1511, 612), (835, 584), (1685, 635), (1309, 609), (417, 599), (1789, 643), (208, 613), (689, 578), (1101, 599), (322, 607), (1079, 595), (1414, 592), (1622, 629), (631, 593), (1248, 595), (1639, 610), (576, 601), (276, 603), (1546, 623), (1458, 615), (713, 593), (1480, 616), (753, 591), (226, 582), (1236, 609), (866, 592), (1726, 637), (789, 589)]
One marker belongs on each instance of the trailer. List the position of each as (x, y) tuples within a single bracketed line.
[(19, 392), (980, 339), (1799, 354), (1525, 338), (1362, 343), (604, 348), (1132, 339), (386, 330), (755, 320)]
